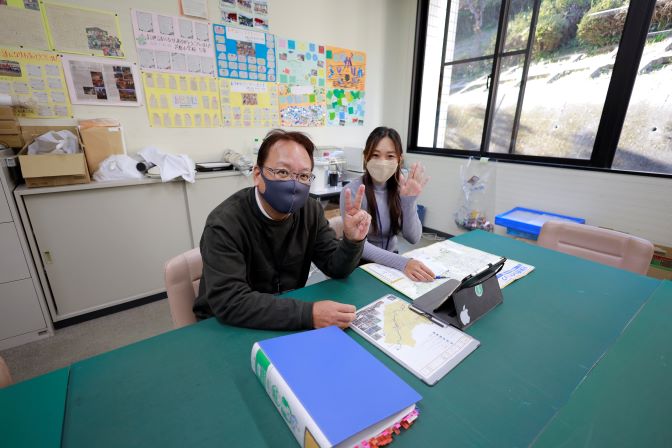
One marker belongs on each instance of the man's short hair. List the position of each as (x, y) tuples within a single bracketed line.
[(277, 135)]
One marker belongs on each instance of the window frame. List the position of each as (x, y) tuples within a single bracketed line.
[(614, 111)]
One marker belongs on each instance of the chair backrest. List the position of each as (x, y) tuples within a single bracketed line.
[(336, 223), (601, 245), (5, 377), (183, 276)]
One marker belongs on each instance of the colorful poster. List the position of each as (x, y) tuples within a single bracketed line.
[(181, 101), (247, 13), (35, 78), (101, 81), (173, 44), (345, 107), (22, 24), (83, 31), (300, 62), (244, 54), (301, 105), (346, 69), (249, 103)]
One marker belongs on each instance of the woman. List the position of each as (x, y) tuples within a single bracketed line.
[(391, 201)]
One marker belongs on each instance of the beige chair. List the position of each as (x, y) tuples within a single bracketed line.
[(183, 275), (605, 246), (336, 223), (5, 377)]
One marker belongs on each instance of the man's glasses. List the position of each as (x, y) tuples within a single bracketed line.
[(283, 174)]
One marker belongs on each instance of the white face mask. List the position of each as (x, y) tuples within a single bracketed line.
[(381, 170)]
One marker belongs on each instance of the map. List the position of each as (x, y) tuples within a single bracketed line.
[(427, 349), (448, 260)]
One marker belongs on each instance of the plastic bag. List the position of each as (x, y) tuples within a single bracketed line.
[(239, 161), (117, 167), (55, 142), (476, 206)]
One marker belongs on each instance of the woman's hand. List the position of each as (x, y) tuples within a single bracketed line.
[(418, 271), (415, 183)]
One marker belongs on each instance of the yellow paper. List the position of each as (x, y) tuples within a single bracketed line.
[(35, 78), (249, 103), (181, 101), (83, 31), (22, 25), (346, 69)]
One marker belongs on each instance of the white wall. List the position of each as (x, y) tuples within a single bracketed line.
[(356, 24)]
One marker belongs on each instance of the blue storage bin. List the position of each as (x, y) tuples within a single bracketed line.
[(527, 222)]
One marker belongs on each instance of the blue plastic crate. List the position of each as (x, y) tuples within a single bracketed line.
[(527, 223)]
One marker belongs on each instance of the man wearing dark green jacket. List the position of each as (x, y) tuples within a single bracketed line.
[(261, 241)]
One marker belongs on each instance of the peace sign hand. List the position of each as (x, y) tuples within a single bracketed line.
[(355, 220), (415, 183)]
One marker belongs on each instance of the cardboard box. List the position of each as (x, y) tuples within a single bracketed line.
[(100, 142), (661, 263), (6, 112), (50, 170)]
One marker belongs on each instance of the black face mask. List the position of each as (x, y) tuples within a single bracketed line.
[(285, 196)]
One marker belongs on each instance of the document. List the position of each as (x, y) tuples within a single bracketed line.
[(449, 260), (427, 349)]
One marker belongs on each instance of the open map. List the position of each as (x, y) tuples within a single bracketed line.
[(425, 348), (449, 260)]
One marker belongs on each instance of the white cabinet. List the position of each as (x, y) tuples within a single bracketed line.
[(104, 246), (24, 315), (208, 192)]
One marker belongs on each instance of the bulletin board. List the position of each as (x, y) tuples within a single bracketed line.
[(300, 62), (301, 105), (244, 54), (22, 25), (249, 103), (346, 69), (345, 107)]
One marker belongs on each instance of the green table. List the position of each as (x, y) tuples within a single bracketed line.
[(31, 412), (542, 356)]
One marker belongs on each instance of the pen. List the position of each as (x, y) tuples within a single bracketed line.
[(439, 277)]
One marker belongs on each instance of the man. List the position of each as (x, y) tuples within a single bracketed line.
[(260, 242)]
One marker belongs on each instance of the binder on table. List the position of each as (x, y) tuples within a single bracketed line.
[(331, 391)]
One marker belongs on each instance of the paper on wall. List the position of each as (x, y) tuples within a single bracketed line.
[(300, 62), (249, 103), (22, 25), (245, 13), (301, 105), (194, 8), (346, 69), (244, 54), (83, 31), (345, 107), (34, 79), (181, 101), (102, 82), (173, 44)]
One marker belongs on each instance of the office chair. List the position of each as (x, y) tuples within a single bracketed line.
[(604, 246), (182, 276), (336, 223), (5, 376)]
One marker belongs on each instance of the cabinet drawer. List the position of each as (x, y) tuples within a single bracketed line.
[(20, 310), (12, 260)]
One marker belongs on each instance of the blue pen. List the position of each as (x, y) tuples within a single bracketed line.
[(439, 277)]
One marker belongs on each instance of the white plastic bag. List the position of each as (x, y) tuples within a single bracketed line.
[(170, 165), (117, 167), (55, 142), (477, 200)]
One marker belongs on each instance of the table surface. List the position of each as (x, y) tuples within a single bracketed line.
[(540, 369)]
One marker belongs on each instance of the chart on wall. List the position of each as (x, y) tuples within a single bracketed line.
[(249, 103), (83, 31), (345, 107), (181, 101), (173, 44), (22, 25), (244, 54), (101, 81), (301, 105), (346, 69), (35, 78), (247, 13), (300, 62)]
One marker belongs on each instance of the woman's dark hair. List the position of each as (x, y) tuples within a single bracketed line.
[(277, 135), (393, 199)]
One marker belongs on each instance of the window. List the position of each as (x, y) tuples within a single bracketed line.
[(563, 82)]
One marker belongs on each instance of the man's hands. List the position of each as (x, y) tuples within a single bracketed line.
[(355, 220), (415, 183), (328, 312), (418, 271)]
